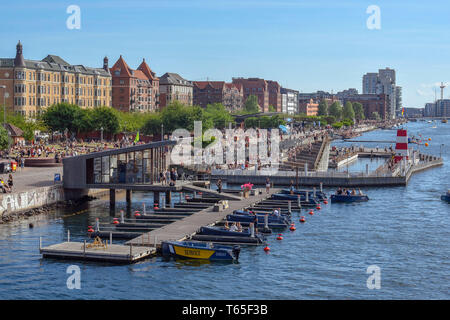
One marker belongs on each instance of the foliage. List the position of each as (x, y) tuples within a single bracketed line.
[(335, 110), (348, 112), (323, 108), (152, 126), (5, 140), (62, 116), (272, 109), (219, 115), (264, 122), (376, 116), (103, 117), (359, 111), (251, 104), (348, 122), (337, 125)]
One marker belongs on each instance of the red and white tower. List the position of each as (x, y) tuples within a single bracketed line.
[(401, 146)]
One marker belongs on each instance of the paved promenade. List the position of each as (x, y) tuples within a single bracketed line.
[(31, 178)]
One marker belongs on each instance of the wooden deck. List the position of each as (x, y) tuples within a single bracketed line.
[(113, 253), (189, 225)]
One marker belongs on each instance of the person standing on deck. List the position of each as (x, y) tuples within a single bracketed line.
[(267, 185), (219, 185)]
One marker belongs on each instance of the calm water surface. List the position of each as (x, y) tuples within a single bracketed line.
[(403, 230)]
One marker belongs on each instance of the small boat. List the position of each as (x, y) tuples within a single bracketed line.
[(444, 120), (319, 194), (294, 197), (348, 198), (272, 222), (259, 213), (446, 197), (222, 231), (200, 250)]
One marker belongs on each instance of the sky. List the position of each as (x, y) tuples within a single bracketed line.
[(306, 45)]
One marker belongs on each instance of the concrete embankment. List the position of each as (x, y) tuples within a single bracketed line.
[(19, 205)]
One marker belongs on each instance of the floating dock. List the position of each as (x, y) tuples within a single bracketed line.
[(111, 253)]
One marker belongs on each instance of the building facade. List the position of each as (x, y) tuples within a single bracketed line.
[(34, 85), (257, 87), (209, 92), (310, 108), (134, 90), (289, 101), (384, 82), (274, 95), (173, 87)]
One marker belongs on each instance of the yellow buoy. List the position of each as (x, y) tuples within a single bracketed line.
[(426, 144), (429, 139)]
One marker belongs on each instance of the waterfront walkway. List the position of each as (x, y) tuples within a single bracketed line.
[(184, 228), (31, 178)]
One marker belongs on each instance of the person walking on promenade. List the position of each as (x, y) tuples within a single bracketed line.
[(267, 185), (10, 182), (219, 185)]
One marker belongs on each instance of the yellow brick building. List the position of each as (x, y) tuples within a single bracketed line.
[(32, 86)]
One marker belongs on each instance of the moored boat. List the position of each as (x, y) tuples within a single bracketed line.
[(294, 197), (200, 250), (319, 194), (349, 198), (446, 197)]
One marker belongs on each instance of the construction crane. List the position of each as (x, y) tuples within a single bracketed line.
[(442, 90)]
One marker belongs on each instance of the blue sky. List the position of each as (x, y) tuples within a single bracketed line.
[(305, 45)]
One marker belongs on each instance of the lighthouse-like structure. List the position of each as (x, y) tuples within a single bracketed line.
[(401, 145)]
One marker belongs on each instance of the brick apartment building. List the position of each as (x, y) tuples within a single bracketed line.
[(257, 87), (229, 94), (275, 95), (34, 85), (134, 90), (173, 87)]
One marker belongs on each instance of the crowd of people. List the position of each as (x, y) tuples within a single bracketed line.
[(347, 192)]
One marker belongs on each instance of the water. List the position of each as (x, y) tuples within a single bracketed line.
[(403, 230)]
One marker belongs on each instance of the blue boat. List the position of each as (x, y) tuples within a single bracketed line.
[(319, 194), (222, 231), (273, 221), (446, 197), (200, 250), (294, 197), (252, 213), (348, 198)]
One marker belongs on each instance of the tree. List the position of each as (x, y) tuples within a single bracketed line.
[(348, 112), (219, 115), (336, 110), (61, 116), (106, 118), (323, 108), (272, 109), (152, 125), (251, 104), (359, 111), (5, 140), (376, 116)]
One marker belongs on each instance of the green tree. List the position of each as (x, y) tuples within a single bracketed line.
[(106, 118), (5, 140), (251, 104), (359, 111), (335, 110), (376, 116), (348, 112), (152, 126), (219, 115), (323, 108), (61, 116), (272, 109)]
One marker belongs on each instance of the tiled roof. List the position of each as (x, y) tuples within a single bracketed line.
[(13, 130), (174, 78), (213, 84), (147, 71)]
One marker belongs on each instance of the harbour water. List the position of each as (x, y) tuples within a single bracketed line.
[(405, 231)]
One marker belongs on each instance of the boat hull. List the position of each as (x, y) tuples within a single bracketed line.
[(199, 250), (445, 197), (348, 199)]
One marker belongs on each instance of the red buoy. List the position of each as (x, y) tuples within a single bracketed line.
[(279, 237), (318, 207), (266, 248), (292, 228), (302, 219), (137, 214), (90, 230), (311, 212), (116, 222), (325, 202)]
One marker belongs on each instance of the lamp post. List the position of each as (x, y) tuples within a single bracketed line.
[(101, 130), (162, 132), (4, 103)]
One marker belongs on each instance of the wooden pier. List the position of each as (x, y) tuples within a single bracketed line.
[(184, 228), (111, 253)]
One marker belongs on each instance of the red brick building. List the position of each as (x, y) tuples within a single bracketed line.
[(134, 90), (371, 103), (257, 87), (274, 95), (310, 108), (229, 94)]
